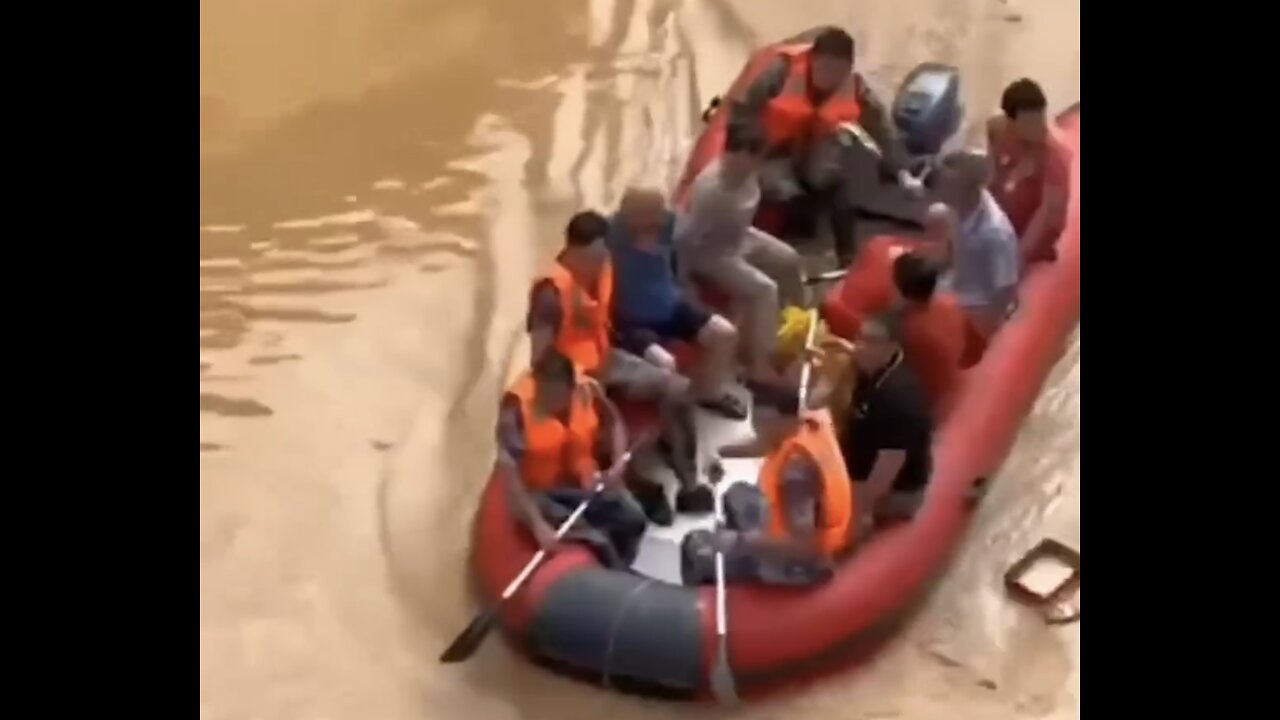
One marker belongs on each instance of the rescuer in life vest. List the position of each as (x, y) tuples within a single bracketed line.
[(798, 103), (800, 518), (570, 310), (555, 431)]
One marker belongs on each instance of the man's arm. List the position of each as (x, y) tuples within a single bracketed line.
[(905, 428), (544, 318), (747, 114), (877, 119), (1050, 218), (509, 437), (611, 423)]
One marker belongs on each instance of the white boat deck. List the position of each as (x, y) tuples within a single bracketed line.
[(659, 555)]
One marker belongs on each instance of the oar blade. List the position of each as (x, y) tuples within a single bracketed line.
[(466, 644), (723, 687)]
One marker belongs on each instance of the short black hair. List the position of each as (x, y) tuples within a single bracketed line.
[(741, 139), (1022, 95), (554, 367), (585, 228), (834, 43), (915, 277)]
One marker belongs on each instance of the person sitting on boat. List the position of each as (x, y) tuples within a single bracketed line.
[(888, 437), (1032, 169), (717, 244), (554, 427), (982, 256), (939, 339), (569, 311), (799, 99), (790, 528)]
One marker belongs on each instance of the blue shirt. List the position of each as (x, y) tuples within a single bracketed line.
[(645, 290), (985, 257)]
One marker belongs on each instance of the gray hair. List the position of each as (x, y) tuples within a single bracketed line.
[(972, 167)]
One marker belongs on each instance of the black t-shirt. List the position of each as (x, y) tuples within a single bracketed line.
[(889, 412)]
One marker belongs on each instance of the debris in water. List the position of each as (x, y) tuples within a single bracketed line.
[(987, 683), (381, 445), (1013, 17)]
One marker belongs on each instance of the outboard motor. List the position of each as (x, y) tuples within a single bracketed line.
[(927, 111)]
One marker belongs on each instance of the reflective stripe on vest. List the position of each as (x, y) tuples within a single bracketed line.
[(791, 120), (554, 452), (584, 320), (816, 437)]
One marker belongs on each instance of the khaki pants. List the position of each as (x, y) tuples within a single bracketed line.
[(764, 276)]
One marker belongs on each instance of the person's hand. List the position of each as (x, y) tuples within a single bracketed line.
[(815, 355), (724, 539), (911, 183), (614, 476), (545, 536), (715, 470)]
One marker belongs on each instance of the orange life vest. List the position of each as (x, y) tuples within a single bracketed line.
[(790, 118), (553, 451), (584, 323), (816, 437)]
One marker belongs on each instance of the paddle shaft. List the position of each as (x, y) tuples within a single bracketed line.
[(807, 369), (514, 585)]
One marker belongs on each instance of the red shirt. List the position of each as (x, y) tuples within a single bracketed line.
[(934, 340), (868, 288), (935, 337), (1023, 174)]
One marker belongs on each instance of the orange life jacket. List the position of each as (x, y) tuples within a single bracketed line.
[(584, 323), (553, 451), (790, 118), (816, 437)]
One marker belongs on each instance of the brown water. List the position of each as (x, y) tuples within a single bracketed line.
[(379, 182)]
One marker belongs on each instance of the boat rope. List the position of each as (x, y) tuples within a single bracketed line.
[(617, 624)]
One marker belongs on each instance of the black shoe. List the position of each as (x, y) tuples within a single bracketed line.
[(653, 500), (696, 500)]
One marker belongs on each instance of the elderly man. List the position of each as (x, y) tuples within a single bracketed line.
[(984, 249)]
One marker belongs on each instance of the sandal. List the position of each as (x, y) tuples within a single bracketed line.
[(727, 404)]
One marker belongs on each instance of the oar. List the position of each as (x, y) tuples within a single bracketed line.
[(807, 369), (723, 687), (826, 277), (466, 644)]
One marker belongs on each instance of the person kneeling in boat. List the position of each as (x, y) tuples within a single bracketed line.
[(554, 426), (888, 436), (569, 311), (797, 103), (790, 529), (1032, 176)]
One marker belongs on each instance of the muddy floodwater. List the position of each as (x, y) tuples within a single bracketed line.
[(379, 181)]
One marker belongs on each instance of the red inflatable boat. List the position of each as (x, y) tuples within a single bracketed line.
[(633, 632)]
